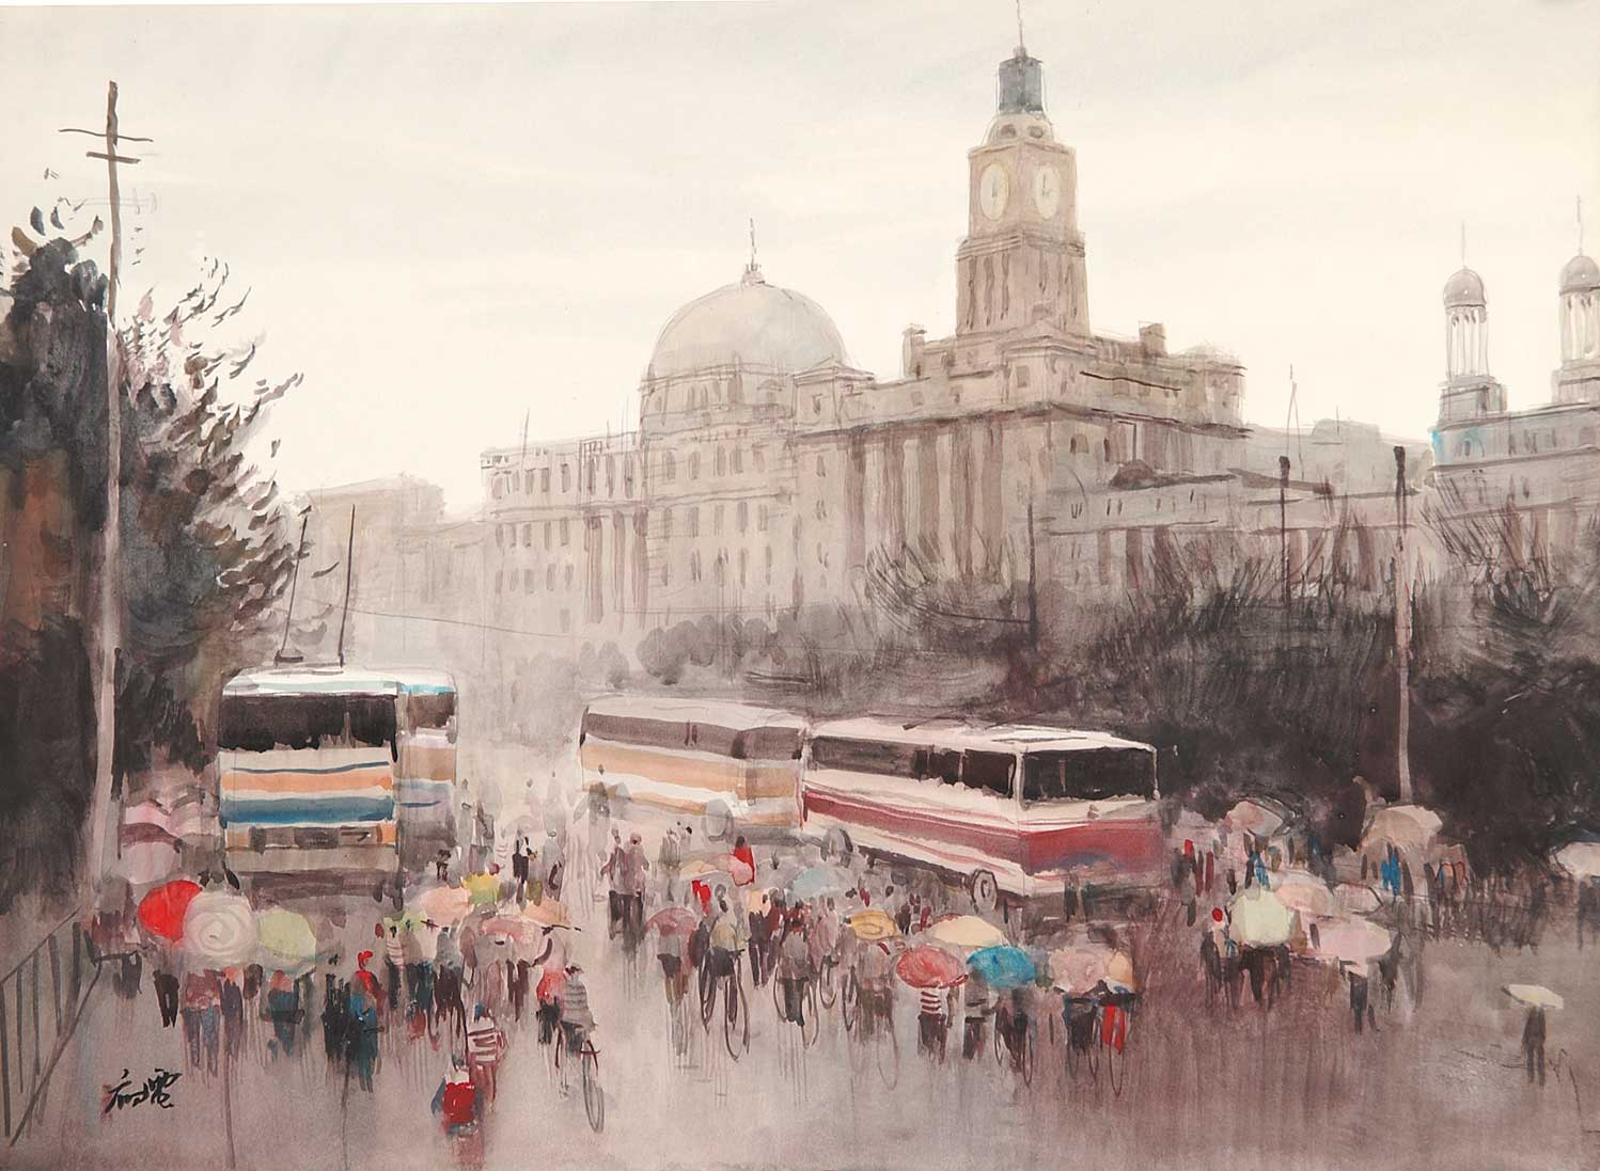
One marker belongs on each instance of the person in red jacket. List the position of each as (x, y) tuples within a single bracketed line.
[(365, 978)]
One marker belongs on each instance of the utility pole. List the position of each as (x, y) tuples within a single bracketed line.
[(1402, 629), (349, 569), (1283, 537), (283, 655), (110, 624), (1033, 585)]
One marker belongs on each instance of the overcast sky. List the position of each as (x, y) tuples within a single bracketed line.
[(453, 217)]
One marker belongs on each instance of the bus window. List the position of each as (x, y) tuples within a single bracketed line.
[(866, 756), (1090, 774), (768, 744), (990, 771), (944, 764), (637, 730), (260, 723), (430, 709), (711, 738)]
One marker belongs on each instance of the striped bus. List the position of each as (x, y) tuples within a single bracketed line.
[(327, 770), (724, 767)]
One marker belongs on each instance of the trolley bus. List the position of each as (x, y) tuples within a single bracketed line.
[(1008, 808), (328, 772), (721, 766)]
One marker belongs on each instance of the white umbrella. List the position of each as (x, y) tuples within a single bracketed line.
[(1301, 891), (1259, 919), (1355, 899), (1580, 859), (219, 929), (1352, 941), (1411, 828), (1535, 995), (1255, 817)]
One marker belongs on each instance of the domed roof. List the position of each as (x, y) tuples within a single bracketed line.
[(1464, 288), (753, 323), (1582, 275)]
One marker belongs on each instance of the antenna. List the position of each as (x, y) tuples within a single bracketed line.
[(349, 566), (283, 656), (1463, 243), (1580, 225), (1291, 421), (752, 243)]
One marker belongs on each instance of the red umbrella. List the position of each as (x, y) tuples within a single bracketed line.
[(929, 967), (161, 911), (673, 921)]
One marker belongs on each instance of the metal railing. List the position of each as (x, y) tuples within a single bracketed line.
[(41, 999)]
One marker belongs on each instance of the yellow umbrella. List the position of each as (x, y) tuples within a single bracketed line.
[(483, 889), (286, 939), (872, 925), (547, 913), (966, 931), (444, 904)]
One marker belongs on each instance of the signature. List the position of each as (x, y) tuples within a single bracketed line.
[(155, 1087)]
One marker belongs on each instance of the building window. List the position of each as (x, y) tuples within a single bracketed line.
[(694, 565), (769, 564), (544, 480), (822, 510), (499, 581), (694, 520), (1105, 447), (550, 577), (716, 520), (566, 478), (566, 533), (527, 481), (822, 468), (666, 572), (592, 462), (546, 534), (499, 536), (566, 621), (611, 475), (744, 565), (527, 581), (759, 454), (669, 467), (1511, 443), (744, 516), (1022, 376), (495, 487), (1075, 447), (738, 460), (722, 462), (627, 478), (666, 524), (527, 535), (694, 465), (762, 516), (568, 577)]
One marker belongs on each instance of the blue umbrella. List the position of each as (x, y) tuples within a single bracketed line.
[(820, 881), (1002, 967)]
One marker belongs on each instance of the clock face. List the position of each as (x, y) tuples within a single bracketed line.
[(994, 187), (1047, 192)]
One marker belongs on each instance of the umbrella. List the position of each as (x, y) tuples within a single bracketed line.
[(1352, 941), (673, 921), (145, 862), (725, 865), (407, 920), (872, 925), (444, 904), (966, 931), (1300, 891), (1411, 828), (1003, 967), (1078, 969), (1580, 859), (929, 967), (1255, 817), (161, 911), (820, 882), (1355, 899), (483, 890), (1259, 919), (1535, 996), (1119, 972), (286, 940), (219, 929), (547, 913)]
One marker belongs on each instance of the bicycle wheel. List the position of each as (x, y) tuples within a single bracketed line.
[(812, 1027), (1074, 1054), (594, 1097), (1093, 1053), (887, 1053), (1117, 1067), (829, 992), (708, 995), (999, 1042), (736, 1023), (777, 998), (850, 1002), (1030, 1053)]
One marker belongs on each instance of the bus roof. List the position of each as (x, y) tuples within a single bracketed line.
[(966, 735), (736, 717), (337, 681)]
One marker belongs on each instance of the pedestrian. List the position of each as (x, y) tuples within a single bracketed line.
[(1187, 894), (902, 916), (1360, 998), (668, 862), (794, 972), (1533, 1029), (394, 962), (635, 866), (519, 867), (447, 965), (232, 1013), (616, 894), (743, 852), (283, 1009), (975, 1001), (486, 1043), (334, 1003), (456, 1100), (166, 985), (365, 978), (932, 1021), (202, 994), (552, 863), (361, 1034)]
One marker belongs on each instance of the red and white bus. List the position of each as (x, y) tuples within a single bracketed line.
[(1012, 808)]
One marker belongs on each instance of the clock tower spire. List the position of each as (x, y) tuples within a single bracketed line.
[(1022, 261)]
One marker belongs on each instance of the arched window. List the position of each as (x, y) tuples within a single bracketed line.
[(669, 467), (694, 465)]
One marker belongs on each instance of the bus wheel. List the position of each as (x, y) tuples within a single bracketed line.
[(718, 822), (836, 845), (985, 891)]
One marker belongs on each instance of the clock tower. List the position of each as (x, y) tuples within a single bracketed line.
[(1022, 260)]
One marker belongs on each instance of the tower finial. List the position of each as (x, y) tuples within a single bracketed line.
[(1463, 243), (1022, 42), (1580, 225), (752, 243)]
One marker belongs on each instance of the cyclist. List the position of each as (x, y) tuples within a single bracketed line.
[(577, 1019), (1011, 1021), (794, 971), (728, 936), (875, 971)]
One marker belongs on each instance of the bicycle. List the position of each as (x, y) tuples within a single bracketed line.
[(580, 1043), (735, 1024), (812, 1026), (1016, 1041), (828, 982), (875, 1020), (1081, 1020)]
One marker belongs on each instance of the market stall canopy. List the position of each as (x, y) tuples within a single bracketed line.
[(1535, 996), (1002, 967), (161, 911), (966, 931), (1413, 829), (1300, 890), (219, 929), (1259, 919), (1580, 859), (929, 967)]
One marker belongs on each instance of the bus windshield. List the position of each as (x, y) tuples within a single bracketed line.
[(1088, 774), (430, 709), (260, 723)]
